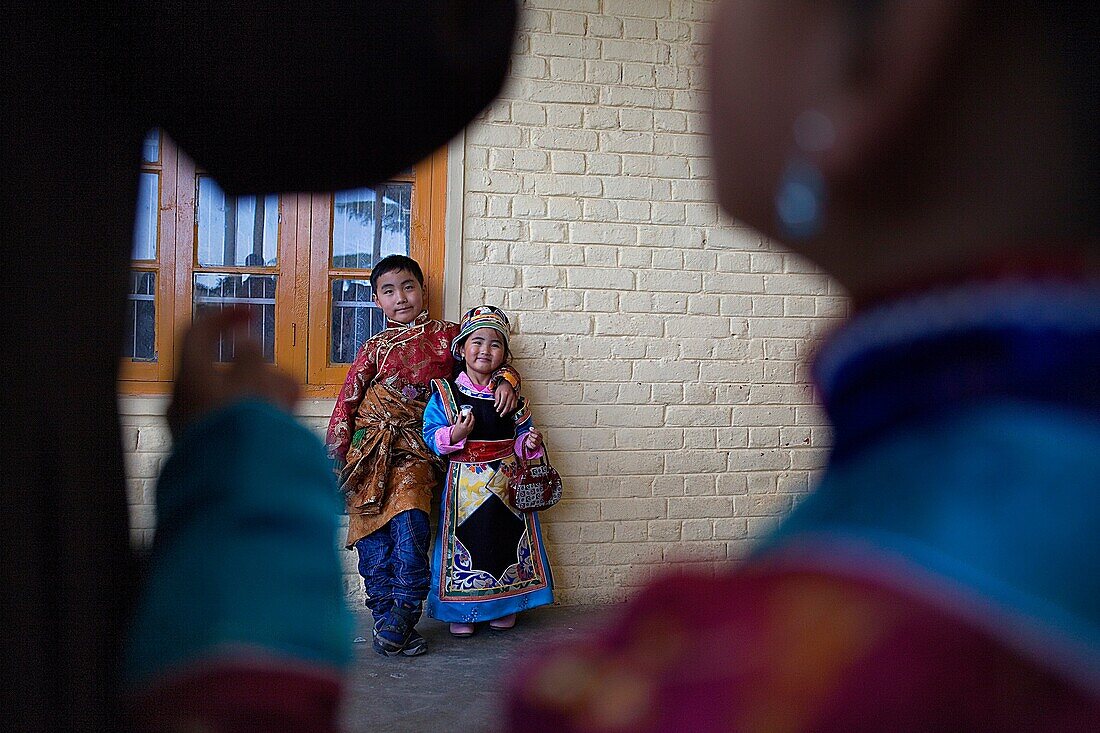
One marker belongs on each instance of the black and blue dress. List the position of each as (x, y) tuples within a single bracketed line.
[(488, 560)]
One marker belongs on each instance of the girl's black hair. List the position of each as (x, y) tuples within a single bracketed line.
[(1070, 26)]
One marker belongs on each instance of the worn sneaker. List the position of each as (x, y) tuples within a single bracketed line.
[(415, 646), (385, 647), (396, 629)]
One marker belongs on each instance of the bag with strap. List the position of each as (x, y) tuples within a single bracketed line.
[(536, 486)]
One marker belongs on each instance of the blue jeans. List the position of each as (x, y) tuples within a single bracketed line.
[(393, 561)]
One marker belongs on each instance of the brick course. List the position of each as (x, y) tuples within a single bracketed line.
[(691, 332)]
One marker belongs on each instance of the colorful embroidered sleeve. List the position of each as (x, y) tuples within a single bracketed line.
[(342, 424), (437, 429), (506, 374), (524, 425)]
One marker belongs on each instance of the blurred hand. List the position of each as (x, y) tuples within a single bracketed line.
[(533, 441), (462, 427), (504, 398), (202, 386)]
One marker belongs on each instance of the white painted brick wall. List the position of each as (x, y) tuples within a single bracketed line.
[(663, 348)]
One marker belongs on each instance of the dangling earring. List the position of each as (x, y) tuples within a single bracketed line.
[(800, 200)]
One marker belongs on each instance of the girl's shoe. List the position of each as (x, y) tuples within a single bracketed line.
[(504, 622), (462, 629)]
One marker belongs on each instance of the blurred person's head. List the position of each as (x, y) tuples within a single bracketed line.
[(897, 142)]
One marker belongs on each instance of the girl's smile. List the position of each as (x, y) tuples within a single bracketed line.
[(484, 352)]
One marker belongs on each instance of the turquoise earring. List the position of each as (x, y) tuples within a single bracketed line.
[(800, 200)]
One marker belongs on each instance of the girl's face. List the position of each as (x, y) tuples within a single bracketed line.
[(484, 351)]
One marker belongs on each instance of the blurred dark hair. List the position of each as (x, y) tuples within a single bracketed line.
[(1070, 26), (393, 263)]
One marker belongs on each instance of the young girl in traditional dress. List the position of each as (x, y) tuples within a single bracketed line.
[(489, 562)]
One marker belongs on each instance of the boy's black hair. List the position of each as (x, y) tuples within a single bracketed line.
[(393, 263)]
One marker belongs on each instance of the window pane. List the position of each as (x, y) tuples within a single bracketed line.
[(356, 241), (355, 318), (231, 233), (141, 317), (150, 148), (145, 220), (397, 219), (353, 215), (256, 292)]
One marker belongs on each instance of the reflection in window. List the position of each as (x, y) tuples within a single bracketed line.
[(230, 230), (355, 318), (357, 240), (145, 219), (255, 292), (150, 147), (140, 341)]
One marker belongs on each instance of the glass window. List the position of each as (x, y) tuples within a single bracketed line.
[(256, 292), (150, 147), (141, 317), (355, 318), (358, 242), (145, 220), (230, 230), (299, 262)]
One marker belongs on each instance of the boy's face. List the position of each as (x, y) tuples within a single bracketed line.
[(400, 296)]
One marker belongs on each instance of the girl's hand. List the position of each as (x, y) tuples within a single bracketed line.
[(202, 387), (533, 441), (504, 398), (462, 427)]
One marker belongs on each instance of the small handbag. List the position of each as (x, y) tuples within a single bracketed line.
[(536, 486)]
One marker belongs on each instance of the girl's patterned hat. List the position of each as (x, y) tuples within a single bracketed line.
[(483, 316)]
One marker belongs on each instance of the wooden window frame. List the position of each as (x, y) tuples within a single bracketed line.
[(163, 264), (303, 271)]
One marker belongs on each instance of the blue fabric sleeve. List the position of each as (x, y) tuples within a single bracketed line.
[(245, 551), (434, 419), (523, 417)]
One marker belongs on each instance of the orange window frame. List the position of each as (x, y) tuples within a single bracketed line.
[(304, 272), (425, 246)]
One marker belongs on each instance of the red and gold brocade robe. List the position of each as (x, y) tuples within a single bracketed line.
[(397, 364)]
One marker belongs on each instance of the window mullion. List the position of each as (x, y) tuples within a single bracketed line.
[(186, 232), (289, 338), (166, 257)]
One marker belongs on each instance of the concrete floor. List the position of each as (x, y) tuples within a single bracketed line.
[(456, 686)]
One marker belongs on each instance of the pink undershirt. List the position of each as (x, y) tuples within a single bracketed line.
[(443, 436)]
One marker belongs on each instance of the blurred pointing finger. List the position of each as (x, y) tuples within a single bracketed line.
[(200, 341)]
